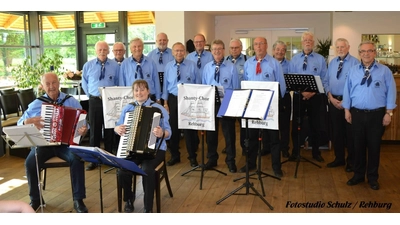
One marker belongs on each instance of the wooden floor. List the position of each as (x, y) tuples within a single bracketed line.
[(324, 188)]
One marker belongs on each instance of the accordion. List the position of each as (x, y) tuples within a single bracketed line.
[(61, 124), (139, 140)]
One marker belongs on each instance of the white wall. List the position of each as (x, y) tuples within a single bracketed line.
[(351, 25), (199, 22), (173, 24)]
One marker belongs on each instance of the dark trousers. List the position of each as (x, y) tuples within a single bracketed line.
[(367, 130), (254, 145), (191, 140), (285, 110), (173, 121), (148, 166), (77, 171), (341, 136), (228, 129), (312, 107), (96, 121), (212, 139)]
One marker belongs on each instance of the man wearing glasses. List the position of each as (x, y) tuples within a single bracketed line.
[(119, 52), (369, 98)]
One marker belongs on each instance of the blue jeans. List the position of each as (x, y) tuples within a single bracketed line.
[(77, 171)]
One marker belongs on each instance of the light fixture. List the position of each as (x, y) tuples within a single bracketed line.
[(241, 31)]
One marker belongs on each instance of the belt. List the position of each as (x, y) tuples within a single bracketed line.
[(338, 97), (368, 110), (92, 96)]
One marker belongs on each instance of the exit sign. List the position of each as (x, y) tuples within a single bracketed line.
[(98, 25)]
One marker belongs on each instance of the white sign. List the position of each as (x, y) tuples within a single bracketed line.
[(114, 99)]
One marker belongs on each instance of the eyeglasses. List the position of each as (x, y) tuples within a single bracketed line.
[(234, 48), (259, 43), (198, 42), (365, 51), (118, 50), (217, 49)]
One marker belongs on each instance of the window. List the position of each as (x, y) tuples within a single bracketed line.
[(146, 33)]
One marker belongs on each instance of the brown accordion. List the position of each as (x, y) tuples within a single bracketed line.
[(139, 140), (61, 123)]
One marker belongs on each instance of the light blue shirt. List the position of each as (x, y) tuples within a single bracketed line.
[(189, 74), (285, 65), (380, 93), (166, 58), (239, 63), (316, 65), (205, 57), (228, 76), (35, 107), (331, 83), (91, 76), (150, 74), (164, 122), (271, 70)]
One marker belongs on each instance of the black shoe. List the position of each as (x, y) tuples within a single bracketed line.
[(354, 181), (172, 162), (35, 204), (243, 169), (335, 164), (210, 164), (278, 173), (147, 211), (374, 185), (193, 162), (129, 206), (319, 158), (292, 158), (349, 168), (91, 166), (285, 154), (79, 206), (232, 168), (223, 150)]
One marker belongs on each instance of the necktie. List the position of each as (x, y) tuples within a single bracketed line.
[(233, 60), (258, 67), (138, 68), (305, 62), (367, 75), (198, 61), (178, 72), (216, 75), (339, 68), (160, 59), (103, 71)]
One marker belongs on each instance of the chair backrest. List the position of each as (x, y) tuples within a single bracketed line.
[(71, 91), (10, 103), (25, 97), (6, 90)]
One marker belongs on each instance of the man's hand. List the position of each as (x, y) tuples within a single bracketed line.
[(37, 121)]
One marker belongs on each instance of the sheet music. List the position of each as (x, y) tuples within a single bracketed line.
[(238, 103), (153, 139), (25, 136), (319, 84), (254, 108), (81, 122)]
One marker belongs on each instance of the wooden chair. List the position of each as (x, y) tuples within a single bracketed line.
[(161, 174), (53, 162)]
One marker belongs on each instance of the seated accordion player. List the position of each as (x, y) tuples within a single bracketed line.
[(139, 140)]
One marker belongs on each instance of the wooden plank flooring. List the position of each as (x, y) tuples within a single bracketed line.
[(320, 186)]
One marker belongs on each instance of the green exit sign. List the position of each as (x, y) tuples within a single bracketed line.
[(98, 25)]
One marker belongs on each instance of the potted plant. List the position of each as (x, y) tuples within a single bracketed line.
[(27, 75), (323, 47)]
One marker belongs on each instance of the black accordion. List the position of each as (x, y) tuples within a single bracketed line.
[(139, 140)]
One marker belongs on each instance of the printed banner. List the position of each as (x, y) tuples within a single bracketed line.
[(114, 99), (196, 107), (272, 121)]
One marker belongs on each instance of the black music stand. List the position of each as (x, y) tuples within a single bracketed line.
[(247, 183), (100, 156), (300, 83), (258, 171), (23, 137)]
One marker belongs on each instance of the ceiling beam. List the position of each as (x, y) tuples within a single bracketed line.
[(99, 17), (11, 20), (51, 21)]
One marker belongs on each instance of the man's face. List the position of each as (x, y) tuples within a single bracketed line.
[(102, 51), (118, 51), (136, 48), (308, 43), (279, 52), (367, 53), (260, 47), (162, 42), (342, 48), (235, 48), (217, 50), (178, 51), (51, 85), (199, 43)]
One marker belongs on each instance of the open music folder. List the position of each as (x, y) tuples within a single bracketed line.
[(246, 103)]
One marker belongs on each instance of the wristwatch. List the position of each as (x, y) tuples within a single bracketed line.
[(389, 113)]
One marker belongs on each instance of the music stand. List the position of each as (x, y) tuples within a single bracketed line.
[(26, 136), (300, 83), (223, 112), (100, 156)]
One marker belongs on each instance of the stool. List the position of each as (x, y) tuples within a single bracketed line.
[(160, 174)]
